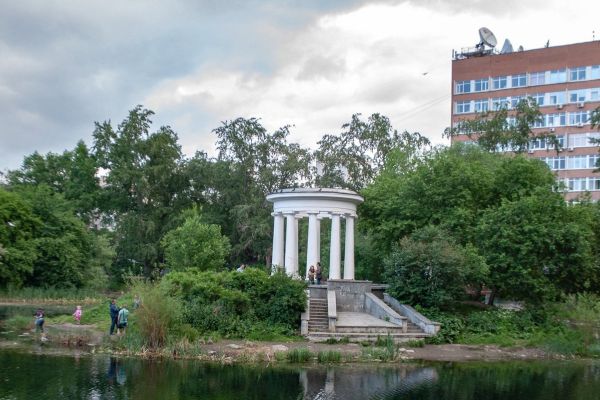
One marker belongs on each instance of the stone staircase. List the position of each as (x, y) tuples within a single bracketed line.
[(318, 321), (356, 327)]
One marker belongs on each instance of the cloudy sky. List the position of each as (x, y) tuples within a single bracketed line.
[(67, 63)]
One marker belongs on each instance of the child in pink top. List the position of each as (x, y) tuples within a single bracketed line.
[(77, 314)]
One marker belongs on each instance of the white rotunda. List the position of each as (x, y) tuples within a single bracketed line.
[(291, 205)]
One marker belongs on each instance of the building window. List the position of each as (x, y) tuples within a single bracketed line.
[(558, 119), (463, 107), (577, 162), (558, 76), (538, 144), (499, 103), (482, 105), (595, 72), (511, 121), (593, 160), (578, 117), (482, 85), (499, 82), (514, 101), (463, 87), (538, 98), (577, 184), (539, 122), (519, 80), (556, 98), (555, 163), (537, 78), (582, 139), (578, 74), (577, 96), (595, 94)]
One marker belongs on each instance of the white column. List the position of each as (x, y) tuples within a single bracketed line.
[(277, 258), (291, 245), (318, 240), (295, 271), (312, 244), (349, 249), (334, 251)]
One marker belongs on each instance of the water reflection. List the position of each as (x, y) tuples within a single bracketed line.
[(24, 376), (363, 382)]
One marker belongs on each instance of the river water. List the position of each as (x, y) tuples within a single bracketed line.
[(33, 373), (40, 376)]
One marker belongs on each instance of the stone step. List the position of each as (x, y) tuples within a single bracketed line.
[(382, 330), (322, 336)]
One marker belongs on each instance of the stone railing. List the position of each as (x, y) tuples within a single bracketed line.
[(377, 308), (429, 327), (331, 310), (305, 316)]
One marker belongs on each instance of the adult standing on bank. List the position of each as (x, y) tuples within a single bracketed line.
[(122, 320), (114, 313)]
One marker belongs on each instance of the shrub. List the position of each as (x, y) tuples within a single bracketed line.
[(251, 304), (428, 269), (157, 314)]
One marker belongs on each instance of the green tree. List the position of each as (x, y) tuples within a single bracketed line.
[(63, 243), (449, 188), (353, 158), (195, 245), (504, 130), (251, 164), (18, 227), (536, 248), (429, 269), (72, 173), (145, 186)]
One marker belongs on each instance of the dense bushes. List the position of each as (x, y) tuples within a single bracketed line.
[(571, 327), (251, 304), (429, 269)]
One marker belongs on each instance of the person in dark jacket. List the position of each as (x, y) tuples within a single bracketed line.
[(114, 313)]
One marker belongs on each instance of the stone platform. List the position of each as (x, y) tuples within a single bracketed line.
[(351, 309)]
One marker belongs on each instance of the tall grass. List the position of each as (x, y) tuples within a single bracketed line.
[(329, 356), (299, 355), (157, 316)]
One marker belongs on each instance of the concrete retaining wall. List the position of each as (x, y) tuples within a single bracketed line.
[(350, 295), (377, 308), (413, 315)]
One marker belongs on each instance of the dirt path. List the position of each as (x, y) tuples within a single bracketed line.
[(445, 352)]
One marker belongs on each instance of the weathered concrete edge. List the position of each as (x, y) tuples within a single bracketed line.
[(413, 315), (377, 308)]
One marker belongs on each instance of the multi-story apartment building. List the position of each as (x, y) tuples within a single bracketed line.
[(564, 81)]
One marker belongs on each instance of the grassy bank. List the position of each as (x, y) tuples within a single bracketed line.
[(571, 327)]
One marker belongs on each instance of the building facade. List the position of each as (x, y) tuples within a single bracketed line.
[(564, 81)]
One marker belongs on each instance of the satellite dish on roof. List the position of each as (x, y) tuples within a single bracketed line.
[(487, 37), (507, 47)]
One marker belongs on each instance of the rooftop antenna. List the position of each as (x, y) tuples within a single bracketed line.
[(487, 38), (507, 47)]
